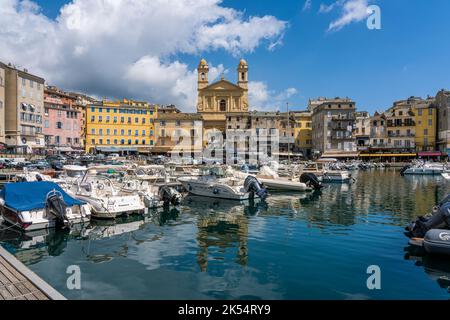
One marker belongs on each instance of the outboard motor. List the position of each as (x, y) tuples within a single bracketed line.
[(252, 185), (169, 196), (58, 208), (310, 179), (402, 171), (440, 219)]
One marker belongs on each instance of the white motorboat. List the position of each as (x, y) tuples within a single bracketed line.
[(424, 168), (216, 184), (39, 205), (272, 181), (106, 199), (338, 176), (153, 195), (446, 175), (31, 176)]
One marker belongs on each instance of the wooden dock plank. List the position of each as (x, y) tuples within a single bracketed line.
[(17, 282)]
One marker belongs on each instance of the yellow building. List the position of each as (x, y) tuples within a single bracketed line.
[(303, 132), (179, 134), (125, 126), (426, 124)]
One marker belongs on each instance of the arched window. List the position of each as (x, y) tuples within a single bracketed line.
[(203, 76), (243, 76), (223, 105)]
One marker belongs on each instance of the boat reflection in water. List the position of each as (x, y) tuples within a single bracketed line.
[(436, 267), (32, 247), (222, 226)]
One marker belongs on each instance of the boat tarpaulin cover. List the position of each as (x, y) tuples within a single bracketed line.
[(25, 196)]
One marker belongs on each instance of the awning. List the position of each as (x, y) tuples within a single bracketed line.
[(64, 149), (387, 155), (340, 155), (430, 154), (116, 149)]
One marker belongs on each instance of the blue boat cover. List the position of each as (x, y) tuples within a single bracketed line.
[(25, 196)]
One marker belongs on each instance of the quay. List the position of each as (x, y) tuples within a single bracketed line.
[(17, 282)]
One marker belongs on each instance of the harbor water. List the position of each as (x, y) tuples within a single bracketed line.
[(292, 246)]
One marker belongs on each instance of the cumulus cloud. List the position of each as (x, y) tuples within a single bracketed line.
[(129, 48), (351, 11), (262, 98)]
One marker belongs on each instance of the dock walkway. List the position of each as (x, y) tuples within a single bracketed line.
[(17, 282)]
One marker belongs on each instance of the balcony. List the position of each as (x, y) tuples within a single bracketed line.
[(401, 135)]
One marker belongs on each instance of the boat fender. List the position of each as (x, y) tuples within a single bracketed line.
[(310, 179), (216, 191)]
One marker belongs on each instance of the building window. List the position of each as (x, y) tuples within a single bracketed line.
[(129, 119), (107, 118), (430, 122), (122, 141), (100, 110), (93, 141), (46, 124), (115, 119), (115, 141), (136, 141), (425, 132), (151, 142), (143, 120), (122, 119), (59, 125), (108, 141), (178, 123), (100, 141), (57, 139), (223, 105), (100, 119), (122, 132), (136, 132), (92, 109), (92, 131), (430, 111), (136, 120), (108, 132), (162, 123), (115, 132), (92, 118), (129, 141), (129, 132), (143, 133), (151, 133), (69, 140), (100, 132)]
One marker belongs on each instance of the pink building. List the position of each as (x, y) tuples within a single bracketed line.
[(62, 121)]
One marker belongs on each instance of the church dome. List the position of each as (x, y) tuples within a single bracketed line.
[(203, 63)]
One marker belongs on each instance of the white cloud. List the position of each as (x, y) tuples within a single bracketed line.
[(128, 48), (261, 98), (351, 11)]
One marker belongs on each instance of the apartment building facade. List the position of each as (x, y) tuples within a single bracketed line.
[(179, 135), (123, 126), (62, 120), (23, 111), (401, 127), (2, 104), (332, 134), (303, 132), (442, 102), (426, 125), (362, 130)]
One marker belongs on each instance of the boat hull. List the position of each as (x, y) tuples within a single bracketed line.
[(213, 191), (284, 185)]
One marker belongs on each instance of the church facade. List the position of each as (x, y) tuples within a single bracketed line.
[(217, 100)]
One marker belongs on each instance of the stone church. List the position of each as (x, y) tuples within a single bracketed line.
[(220, 98)]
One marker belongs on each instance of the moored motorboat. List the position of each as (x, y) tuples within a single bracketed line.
[(216, 184), (40, 205)]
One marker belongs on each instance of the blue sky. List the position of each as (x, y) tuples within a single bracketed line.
[(410, 55)]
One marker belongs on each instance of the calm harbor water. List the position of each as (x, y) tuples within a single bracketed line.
[(293, 246)]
